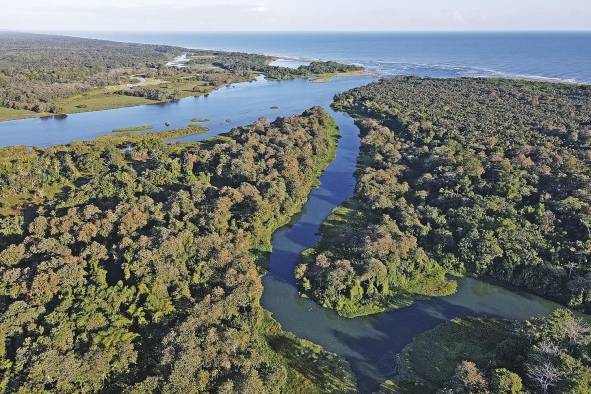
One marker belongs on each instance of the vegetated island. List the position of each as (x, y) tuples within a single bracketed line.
[(144, 127), (128, 264), (546, 355), (482, 177), (47, 74)]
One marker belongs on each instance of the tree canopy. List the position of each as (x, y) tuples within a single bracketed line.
[(485, 177), (130, 265), (545, 355)]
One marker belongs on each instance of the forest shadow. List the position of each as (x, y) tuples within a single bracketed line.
[(394, 330)]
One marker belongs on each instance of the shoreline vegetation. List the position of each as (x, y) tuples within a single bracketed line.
[(460, 177), (470, 355), (133, 265), (373, 291), (100, 75), (144, 127)]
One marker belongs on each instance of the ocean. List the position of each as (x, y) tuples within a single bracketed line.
[(555, 56)]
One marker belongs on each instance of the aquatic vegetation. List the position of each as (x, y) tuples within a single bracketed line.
[(144, 127)]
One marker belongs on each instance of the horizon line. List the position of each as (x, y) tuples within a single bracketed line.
[(300, 31)]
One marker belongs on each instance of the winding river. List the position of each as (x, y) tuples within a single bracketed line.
[(369, 343)]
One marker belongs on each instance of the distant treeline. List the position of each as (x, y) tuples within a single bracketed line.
[(259, 63), (36, 68)]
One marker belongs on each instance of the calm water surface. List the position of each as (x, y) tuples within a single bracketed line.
[(228, 107)]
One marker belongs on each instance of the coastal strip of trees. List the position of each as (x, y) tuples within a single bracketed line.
[(482, 177), (258, 63), (131, 265), (55, 74)]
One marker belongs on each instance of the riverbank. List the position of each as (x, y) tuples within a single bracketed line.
[(369, 343), (498, 356), (117, 81), (115, 96), (372, 294)]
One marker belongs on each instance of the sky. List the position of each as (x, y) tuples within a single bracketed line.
[(294, 15)]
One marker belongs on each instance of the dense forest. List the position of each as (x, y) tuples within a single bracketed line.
[(479, 356), (58, 74), (128, 264), (484, 177), (35, 69)]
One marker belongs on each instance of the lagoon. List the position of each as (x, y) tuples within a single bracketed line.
[(230, 106)]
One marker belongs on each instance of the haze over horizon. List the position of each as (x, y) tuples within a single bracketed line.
[(291, 15)]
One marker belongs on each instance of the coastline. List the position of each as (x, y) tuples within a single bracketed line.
[(537, 78), (479, 72), (104, 98)]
